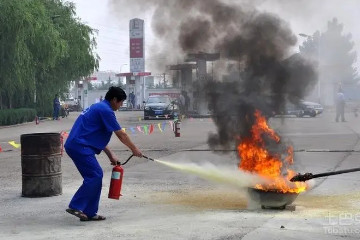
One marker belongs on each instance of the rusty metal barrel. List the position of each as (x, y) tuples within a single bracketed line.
[(41, 164)]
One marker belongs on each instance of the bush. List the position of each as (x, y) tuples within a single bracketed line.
[(16, 116)]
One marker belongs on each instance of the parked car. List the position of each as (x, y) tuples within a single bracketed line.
[(72, 104), (292, 109), (304, 108), (160, 106), (311, 108), (124, 106)]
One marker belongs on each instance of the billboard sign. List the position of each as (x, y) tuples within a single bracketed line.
[(136, 48), (137, 54)]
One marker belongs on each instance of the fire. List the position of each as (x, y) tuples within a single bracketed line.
[(257, 159)]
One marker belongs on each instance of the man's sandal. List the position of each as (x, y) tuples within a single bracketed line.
[(94, 218), (77, 213)]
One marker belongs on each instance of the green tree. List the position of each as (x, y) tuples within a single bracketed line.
[(334, 53), (44, 47), (28, 44)]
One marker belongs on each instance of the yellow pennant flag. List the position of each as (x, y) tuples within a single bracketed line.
[(159, 125), (124, 130), (15, 145)]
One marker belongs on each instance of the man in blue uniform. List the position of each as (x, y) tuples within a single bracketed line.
[(89, 136), (56, 106)]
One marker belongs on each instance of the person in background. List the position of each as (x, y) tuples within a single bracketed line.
[(132, 100), (56, 107), (340, 106), (90, 135), (101, 98)]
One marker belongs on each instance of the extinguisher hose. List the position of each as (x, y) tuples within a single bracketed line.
[(148, 158), (119, 163)]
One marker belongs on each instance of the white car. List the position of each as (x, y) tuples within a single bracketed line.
[(124, 106)]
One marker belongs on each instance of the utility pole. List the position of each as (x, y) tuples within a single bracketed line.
[(109, 81)]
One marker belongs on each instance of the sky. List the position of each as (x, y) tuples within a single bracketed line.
[(111, 19)]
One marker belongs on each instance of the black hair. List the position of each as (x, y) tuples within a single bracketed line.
[(115, 92)]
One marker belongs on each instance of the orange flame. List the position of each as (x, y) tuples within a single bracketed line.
[(256, 158)]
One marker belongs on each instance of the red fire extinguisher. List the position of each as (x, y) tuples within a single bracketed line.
[(177, 128), (116, 180)]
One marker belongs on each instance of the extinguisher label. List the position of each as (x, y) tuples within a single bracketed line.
[(115, 175)]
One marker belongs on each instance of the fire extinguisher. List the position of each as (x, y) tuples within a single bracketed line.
[(116, 180), (177, 128)]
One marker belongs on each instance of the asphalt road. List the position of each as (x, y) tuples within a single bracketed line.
[(159, 202)]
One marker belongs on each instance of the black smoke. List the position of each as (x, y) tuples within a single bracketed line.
[(255, 45)]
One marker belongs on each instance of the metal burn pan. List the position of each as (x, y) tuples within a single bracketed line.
[(272, 199)]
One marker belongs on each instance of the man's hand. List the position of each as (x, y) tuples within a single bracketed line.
[(114, 160), (136, 152)]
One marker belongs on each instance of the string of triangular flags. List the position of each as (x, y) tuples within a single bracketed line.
[(148, 128), (145, 129)]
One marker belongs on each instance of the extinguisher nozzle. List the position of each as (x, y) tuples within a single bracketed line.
[(148, 158)]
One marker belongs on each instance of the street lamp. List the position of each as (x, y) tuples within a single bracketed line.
[(319, 60)]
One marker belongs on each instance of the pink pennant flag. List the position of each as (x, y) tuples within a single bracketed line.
[(171, 123), (139, 129), (151, 128), (0, 149)]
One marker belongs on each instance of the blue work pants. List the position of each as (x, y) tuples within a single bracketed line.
[(56, 113), (87, 196)]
